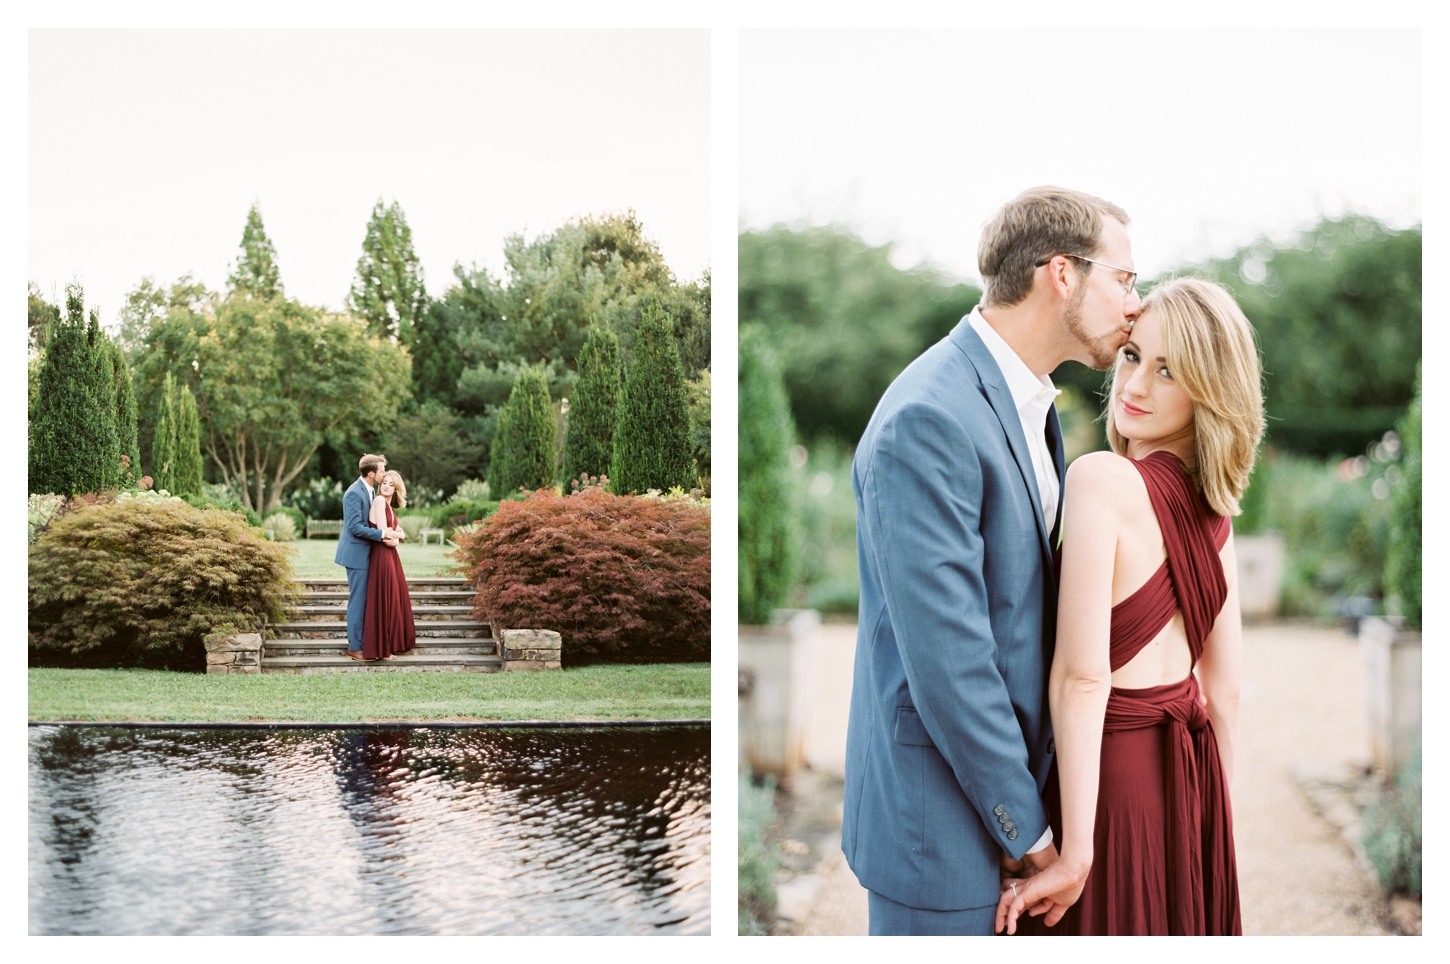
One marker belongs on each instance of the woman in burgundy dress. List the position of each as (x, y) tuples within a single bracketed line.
[(388, 618), (1144, 688)]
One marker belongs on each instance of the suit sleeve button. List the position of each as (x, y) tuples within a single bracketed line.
[(999, 809), (1011, 835)]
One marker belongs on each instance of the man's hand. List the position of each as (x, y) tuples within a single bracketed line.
[(390, 540)]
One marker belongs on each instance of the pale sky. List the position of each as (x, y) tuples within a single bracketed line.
[(147, 147), (1207, 138)]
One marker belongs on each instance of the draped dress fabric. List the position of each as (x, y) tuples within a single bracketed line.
[(388, 618), (1163, 853)]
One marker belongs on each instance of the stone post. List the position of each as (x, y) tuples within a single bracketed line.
[(1392, 690), (234, 654), (774, 707), (530, 649)]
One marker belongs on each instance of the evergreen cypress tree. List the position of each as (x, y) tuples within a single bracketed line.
[(256, 274), (103, 390), (388, 289), (187, 476), (594, 409), (125, 410), (73, 425), (652, 437), (768, 521), (163, 444), (525, 445)]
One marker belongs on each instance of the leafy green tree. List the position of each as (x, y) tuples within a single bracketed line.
[(652, 438), (593, 411), (431, 447), (843, 319), (768, 528), (1402, 562), (163, 445), (1337, 312), (525, 446), (187, 477), (42, 315), (388, 288), (255, 274), (72, 430), (125, 408), (273, 380), (698, 390)]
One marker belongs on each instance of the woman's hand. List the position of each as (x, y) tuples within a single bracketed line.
[(1050, 892)]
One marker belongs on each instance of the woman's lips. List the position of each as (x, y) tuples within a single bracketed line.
[(1130, 409)]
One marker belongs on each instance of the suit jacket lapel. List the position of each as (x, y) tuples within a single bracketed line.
[(1001, 401), (1059, 464)]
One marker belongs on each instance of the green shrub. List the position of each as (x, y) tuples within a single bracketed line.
[(594, 409), (1391, 833), (299, 521), (472, 490), (461, 512), (768, 528), (142, 583), (698, 390), (42, 509), (232, 504), (415, 522), (1402, 558), (524, 447), (652, 448), (757, 856), (828, 579), (622, 579), (281, 527), (318, 499)]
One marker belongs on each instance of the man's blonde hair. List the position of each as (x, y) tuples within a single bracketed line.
[(1210, 349), (1041, 222)]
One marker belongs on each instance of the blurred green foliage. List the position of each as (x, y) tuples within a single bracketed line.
[(757, 856), (1402, 565), (829, 580), (768, 533), (1392, 831)]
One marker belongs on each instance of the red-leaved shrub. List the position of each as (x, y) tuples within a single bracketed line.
[(622, 579)]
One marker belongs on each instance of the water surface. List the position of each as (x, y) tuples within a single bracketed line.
[(408, 831)]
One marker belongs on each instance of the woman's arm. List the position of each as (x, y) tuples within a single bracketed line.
[(1080, 681), (1220, 668)]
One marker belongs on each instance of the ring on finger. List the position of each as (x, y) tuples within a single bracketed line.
[(1014, 888)]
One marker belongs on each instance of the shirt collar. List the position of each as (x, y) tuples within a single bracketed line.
[(1024, 386)]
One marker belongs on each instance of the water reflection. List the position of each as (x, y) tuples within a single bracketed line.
[(409, 831)]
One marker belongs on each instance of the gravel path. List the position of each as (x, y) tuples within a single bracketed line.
[(1303, 708)]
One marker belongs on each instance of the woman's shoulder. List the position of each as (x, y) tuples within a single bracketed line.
[(1097, 469)]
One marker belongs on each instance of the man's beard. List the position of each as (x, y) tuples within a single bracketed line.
[(1104, 350)]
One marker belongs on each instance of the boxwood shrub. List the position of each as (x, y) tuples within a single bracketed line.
[(623, 579), (135, 583)]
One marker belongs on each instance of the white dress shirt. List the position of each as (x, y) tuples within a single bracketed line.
[(1033, 396)]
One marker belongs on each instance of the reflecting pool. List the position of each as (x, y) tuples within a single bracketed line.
[(402, 831)]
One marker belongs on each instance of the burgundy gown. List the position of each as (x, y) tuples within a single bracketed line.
[(388, 616), (1163, 852)]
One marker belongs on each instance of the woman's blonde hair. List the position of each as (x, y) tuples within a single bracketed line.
[(1210, 349), (400, 491)]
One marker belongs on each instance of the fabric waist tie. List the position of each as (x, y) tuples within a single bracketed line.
[(1193, 770)]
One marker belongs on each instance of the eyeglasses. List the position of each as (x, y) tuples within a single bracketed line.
[(1127, 285)]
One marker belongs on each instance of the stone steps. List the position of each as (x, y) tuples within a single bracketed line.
[(314, 637), (414, 663)]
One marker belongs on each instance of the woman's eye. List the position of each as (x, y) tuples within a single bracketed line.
[(1130, 355), (1165, 372)]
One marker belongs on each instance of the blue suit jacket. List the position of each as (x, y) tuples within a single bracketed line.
[(949, 744), (353, 551)]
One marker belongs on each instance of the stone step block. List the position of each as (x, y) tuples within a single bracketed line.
[(435, 628), (425, 612), (426, 646), (403, 664)]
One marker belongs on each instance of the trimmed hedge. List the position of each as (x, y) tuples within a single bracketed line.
[(141, 583), (622, 579)]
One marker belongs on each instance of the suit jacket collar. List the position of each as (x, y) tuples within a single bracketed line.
[(1000, 398)]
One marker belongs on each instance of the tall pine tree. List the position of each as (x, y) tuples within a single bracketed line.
[(525, 445), (187, 477), (125, 411), (73, 421), (652, 438), (768, 529), (256, 274), (388, 289), (594, 409), (163, 443)]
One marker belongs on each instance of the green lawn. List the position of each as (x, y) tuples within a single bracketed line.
[(664, 691), (312, 558)]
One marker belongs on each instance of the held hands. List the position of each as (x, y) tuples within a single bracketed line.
[(1052, 887)]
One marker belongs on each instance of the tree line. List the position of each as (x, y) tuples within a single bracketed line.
[(271, 393)]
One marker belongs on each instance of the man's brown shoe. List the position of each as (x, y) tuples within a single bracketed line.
[(357, 656)]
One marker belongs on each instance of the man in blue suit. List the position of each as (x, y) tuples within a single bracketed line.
[(353, 550), (958, 479)]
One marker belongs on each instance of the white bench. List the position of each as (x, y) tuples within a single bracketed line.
[(324, 527), (425, 534)]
